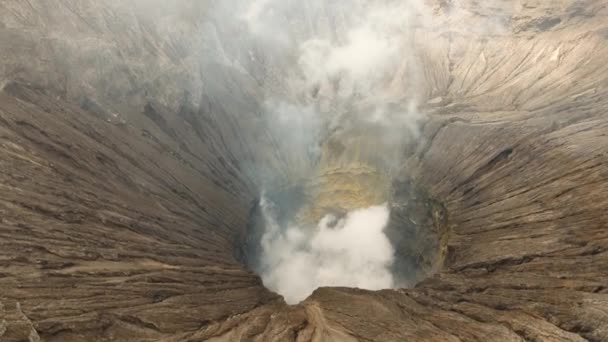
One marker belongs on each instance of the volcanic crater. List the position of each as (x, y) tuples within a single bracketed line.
[(133, 158)]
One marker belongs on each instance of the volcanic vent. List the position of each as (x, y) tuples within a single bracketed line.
[(331, 232)]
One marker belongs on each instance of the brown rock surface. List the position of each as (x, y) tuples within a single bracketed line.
[(125, 191)]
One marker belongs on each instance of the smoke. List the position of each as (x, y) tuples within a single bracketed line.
[(331, 71), (339, 55), (344, 66), (350, 251)]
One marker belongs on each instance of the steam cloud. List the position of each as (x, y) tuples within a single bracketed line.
[(352, 251), (330, 69), (335, 66)]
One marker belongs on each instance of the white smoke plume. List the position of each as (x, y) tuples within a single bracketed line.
[(341, 65), (332, 68), (341, 55), (352, 251)]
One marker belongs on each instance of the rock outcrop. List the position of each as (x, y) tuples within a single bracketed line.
[(126, 191)]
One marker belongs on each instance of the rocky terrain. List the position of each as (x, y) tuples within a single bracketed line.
[(126, 184)]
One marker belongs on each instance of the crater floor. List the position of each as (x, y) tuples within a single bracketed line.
[(125, 191)]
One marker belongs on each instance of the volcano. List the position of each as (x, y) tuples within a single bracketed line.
[(139, 140)]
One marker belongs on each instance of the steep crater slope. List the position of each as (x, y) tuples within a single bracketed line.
[(125, 183)]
